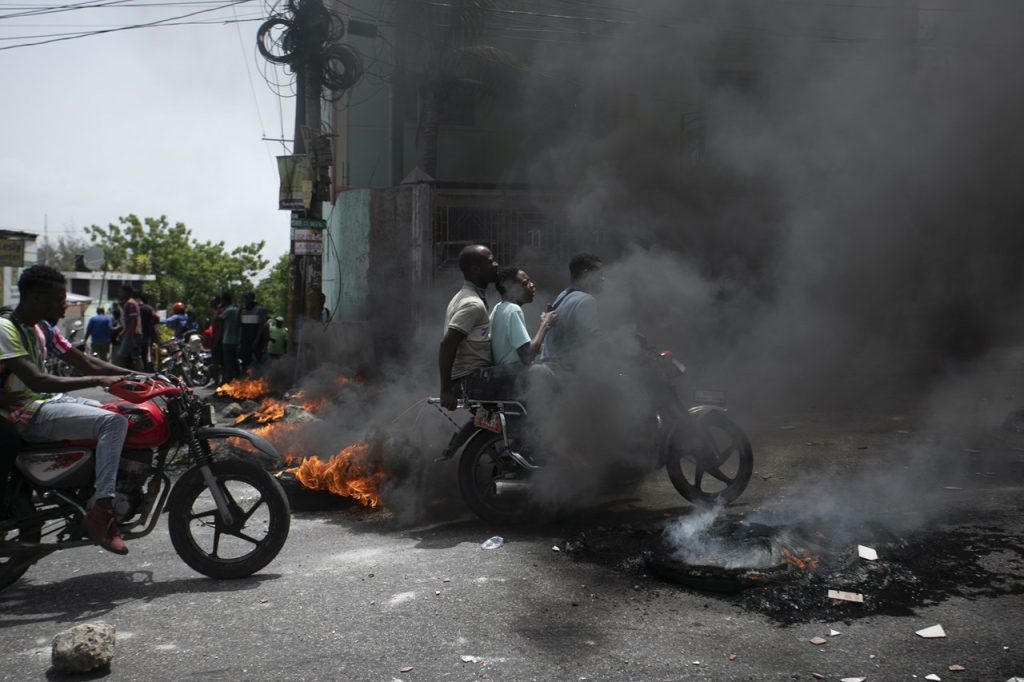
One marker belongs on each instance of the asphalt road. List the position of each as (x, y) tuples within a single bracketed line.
[(356, 596)]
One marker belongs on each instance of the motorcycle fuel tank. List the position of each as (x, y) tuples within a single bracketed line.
[(147, 424), (56, 467)]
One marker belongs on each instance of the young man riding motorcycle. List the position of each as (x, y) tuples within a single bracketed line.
[(41, 412)]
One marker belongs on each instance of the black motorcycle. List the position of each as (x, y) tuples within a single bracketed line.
[(708, 457)]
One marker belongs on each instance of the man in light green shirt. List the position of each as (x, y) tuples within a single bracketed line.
[(510, 341)]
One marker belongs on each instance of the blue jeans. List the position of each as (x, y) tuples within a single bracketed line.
[(72, 418)]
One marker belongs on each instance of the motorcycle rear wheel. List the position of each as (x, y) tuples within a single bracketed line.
[(481, 465), (13, 567), (710, 460), (261, 519)]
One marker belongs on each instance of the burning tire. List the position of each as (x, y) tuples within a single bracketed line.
[(260, 520), (13, 567), (492, 485), (713, 462)]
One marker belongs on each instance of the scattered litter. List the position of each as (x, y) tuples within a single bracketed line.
[(957, 668), (437, 592), (263, 600), (834, 633), (696, 662), (817, 641), (817, 676), (1015, 679), (470, 659), (933, 632), (446, 580), (871, 656), (731, 657), (846, 596), (493, 543), (556, 548), (933, 678), (852, 679), (406, 669), (867, 553), (951, 487)]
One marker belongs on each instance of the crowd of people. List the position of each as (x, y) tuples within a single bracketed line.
[(238, 338)]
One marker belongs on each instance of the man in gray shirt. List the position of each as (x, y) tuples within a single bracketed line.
[(466, 345), (578, 322)]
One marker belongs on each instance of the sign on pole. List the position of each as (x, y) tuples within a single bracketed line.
[(12, 252)]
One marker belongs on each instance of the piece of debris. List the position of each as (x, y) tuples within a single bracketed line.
[(951, 487), (83, 648), (556, 548), (250, 406), (493, 543), (834, 633), (867, 553), (437, 592), (817, 641), (846, 596), (817, 676), (933, 678), (696, 662), (470, 659), (731, 657), (852, 679), (933, 632), (406, 669), (957, 668), (446, 580), (231, 410), (1016, 679), (297, 414)]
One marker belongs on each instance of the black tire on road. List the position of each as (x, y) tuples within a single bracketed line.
[(11, 567), (480, 466), (261, 518), (710, 459)]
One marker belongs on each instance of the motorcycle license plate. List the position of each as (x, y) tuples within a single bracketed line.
[(487, 420)]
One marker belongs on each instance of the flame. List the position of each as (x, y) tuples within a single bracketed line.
[(347, 474), (805, 562), (244, 389), (270, 411)]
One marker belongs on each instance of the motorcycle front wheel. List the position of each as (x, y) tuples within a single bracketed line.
[(13, 566), (482, 468), (258, 529), (710, 459)]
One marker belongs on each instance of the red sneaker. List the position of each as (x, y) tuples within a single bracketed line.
[(101, 526)]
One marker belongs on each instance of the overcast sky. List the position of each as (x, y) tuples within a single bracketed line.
[(152, 121)]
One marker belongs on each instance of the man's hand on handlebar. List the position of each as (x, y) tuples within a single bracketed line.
[(108, 381), (448, 400)]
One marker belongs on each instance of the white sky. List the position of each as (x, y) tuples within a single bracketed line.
[(151, 121)]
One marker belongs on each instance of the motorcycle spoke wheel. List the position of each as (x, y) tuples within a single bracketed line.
[(712, 462), (259, 523), (481, 466)]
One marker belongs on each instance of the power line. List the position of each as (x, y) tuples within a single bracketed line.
[(79, 34), (157, 22)]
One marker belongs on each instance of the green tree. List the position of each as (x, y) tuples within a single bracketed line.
[(186, 269), (272, 291)]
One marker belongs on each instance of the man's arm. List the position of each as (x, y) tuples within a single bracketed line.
[(445, 361), (40, 382), (529, 351)]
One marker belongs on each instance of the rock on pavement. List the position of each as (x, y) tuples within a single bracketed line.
[(83, 648)]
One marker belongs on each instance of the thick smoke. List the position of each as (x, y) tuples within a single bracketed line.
[(853, 206)]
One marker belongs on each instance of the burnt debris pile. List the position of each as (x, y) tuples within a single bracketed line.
[(795, 573)]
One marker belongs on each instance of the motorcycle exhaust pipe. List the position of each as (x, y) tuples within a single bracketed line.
[(511, 486)]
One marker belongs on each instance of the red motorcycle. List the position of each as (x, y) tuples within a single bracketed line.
[(227, 518)]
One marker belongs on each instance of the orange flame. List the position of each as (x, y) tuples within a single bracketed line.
[(805, 562), (270, 411), (347, 474), (244, 389)]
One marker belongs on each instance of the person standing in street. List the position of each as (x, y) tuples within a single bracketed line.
[(229, 333), (466, 345), (100, 329), (131, 330), (252, 317), (147, 320), (277, 345)]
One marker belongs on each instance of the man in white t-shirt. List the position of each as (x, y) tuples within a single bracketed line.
[(466, 345), (510, 341)]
